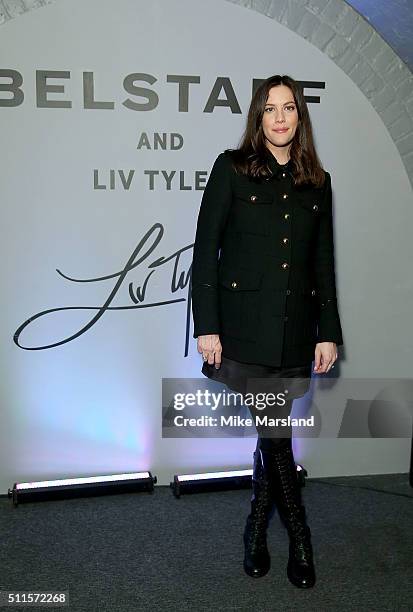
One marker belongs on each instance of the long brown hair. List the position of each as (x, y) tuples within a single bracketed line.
[(251, 156)]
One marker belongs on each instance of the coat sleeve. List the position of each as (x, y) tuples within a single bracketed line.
[(213, 213), (329, 326)]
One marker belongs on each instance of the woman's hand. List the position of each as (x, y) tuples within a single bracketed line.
[(211, 349), (325, 356)]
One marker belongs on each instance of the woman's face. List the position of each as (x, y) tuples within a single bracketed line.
[(280, 118)]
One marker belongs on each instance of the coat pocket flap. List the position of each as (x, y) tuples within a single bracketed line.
[(312, 203), (308, 291), (253, 197), (240, 280)]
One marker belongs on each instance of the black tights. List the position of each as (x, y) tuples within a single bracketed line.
[(272, 437)]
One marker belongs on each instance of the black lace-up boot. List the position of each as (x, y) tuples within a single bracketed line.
[(257, 560), (281, 469)]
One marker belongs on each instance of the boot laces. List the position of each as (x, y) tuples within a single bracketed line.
[(301, 544), (258, 519)]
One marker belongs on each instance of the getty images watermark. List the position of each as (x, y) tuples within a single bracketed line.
[(324, 407), (225, 399)]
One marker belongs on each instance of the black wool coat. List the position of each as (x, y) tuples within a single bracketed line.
[(262, 274)]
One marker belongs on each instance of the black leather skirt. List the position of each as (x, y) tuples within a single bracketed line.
[(257, 378)]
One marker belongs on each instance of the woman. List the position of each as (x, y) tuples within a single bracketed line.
[(264, 296)]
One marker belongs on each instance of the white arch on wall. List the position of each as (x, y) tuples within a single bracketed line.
[(354, 46)]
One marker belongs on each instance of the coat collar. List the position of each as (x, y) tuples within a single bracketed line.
[(276, 168)]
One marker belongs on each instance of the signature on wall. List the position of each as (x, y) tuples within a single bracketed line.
[(142, 254)]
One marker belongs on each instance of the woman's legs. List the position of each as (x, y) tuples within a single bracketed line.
[(257, 559), (275, 480)]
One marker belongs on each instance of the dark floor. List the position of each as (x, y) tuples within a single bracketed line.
[(155, 552)]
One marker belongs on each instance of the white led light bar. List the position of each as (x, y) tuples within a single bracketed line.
[(209, 475), (219, 481), (65, 488), (75, 481)]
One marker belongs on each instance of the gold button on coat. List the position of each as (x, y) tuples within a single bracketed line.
[(287, 216), (285, 265), (285, 196), (253, 198), (233, 284), (285, 240), (315, 207)]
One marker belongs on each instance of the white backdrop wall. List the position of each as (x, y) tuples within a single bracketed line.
[(90, 403)]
